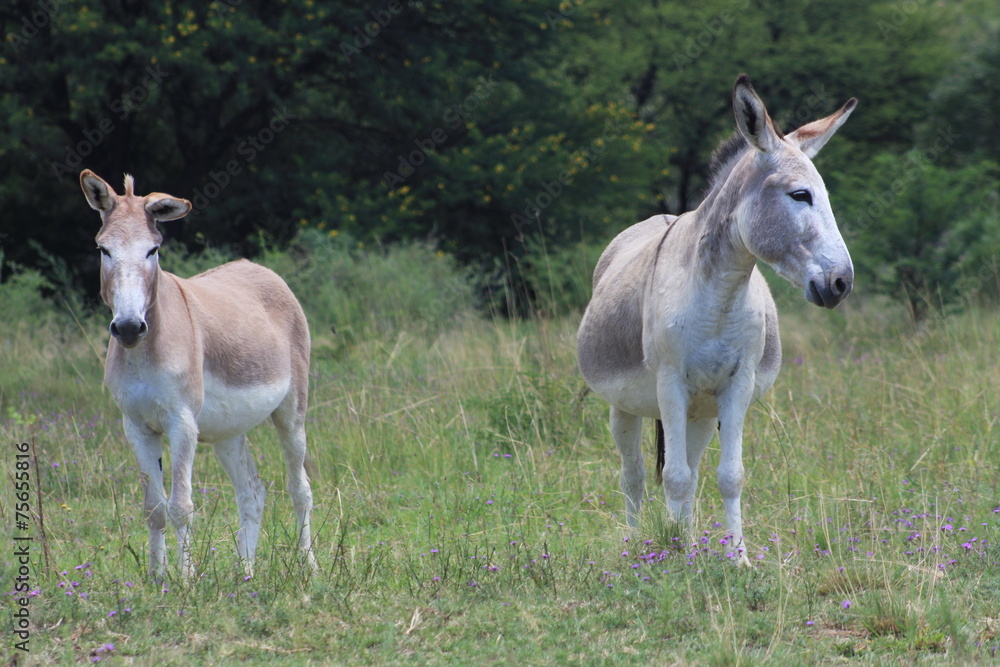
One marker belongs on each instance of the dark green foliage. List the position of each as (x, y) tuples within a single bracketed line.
[(928, 234), (968, 95), (517, 136), (271, 117)]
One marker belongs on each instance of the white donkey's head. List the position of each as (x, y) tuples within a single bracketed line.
[(128, 241), (784, 216)]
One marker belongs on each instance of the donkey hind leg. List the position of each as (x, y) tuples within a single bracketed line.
[(148, 450), (235, 458), (292, 431), (626, 429)]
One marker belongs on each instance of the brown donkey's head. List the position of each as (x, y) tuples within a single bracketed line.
[(128, 241)]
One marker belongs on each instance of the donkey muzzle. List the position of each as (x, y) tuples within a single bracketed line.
[(128, 332), (828, 291)]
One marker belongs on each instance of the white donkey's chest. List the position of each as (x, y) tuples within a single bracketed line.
[(158, 398), (144, 396), (710, 364), (706, 356)]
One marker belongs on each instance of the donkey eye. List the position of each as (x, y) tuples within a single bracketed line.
[(104, 251), (802, 195), (152, 252)]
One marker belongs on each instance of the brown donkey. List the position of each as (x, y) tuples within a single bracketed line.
[(199, 360)]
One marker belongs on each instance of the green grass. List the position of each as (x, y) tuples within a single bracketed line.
[(468, 511)]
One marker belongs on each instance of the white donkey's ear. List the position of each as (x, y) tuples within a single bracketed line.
[(99, 194), (164, 207), (751, 117), (813, 136)]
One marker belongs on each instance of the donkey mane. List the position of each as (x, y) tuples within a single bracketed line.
[(724, 158)]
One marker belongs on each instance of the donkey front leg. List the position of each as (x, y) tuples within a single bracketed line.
[(679, 480), (148, 450), (699, 434), (626, 429), (733, 406), (183, 436)]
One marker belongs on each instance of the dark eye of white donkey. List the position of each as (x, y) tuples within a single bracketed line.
[(152, 252), (104, 251), (802, 195)]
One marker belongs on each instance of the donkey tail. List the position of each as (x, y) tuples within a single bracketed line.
[(660, 452)]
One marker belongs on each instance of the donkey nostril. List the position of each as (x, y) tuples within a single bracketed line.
[(142, 328), (839, 286)]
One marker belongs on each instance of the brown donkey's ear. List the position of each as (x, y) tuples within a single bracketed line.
[(164, 207), (99, 194)]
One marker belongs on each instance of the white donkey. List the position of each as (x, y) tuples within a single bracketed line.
[(682, 328), (204, 359)]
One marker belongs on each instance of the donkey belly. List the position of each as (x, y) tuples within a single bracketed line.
[(637, 396), (634, 392), (228, 411)]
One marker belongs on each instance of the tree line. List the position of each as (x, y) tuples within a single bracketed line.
[(494, 129)]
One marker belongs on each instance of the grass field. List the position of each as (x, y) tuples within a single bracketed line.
[(467, 502)]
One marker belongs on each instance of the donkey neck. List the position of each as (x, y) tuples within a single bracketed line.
[(154, 313), (723, 260)]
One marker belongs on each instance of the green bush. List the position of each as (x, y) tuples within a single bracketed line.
[(21, 297), (923, 232), (355, 292), (49, 348), (559, 281)]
